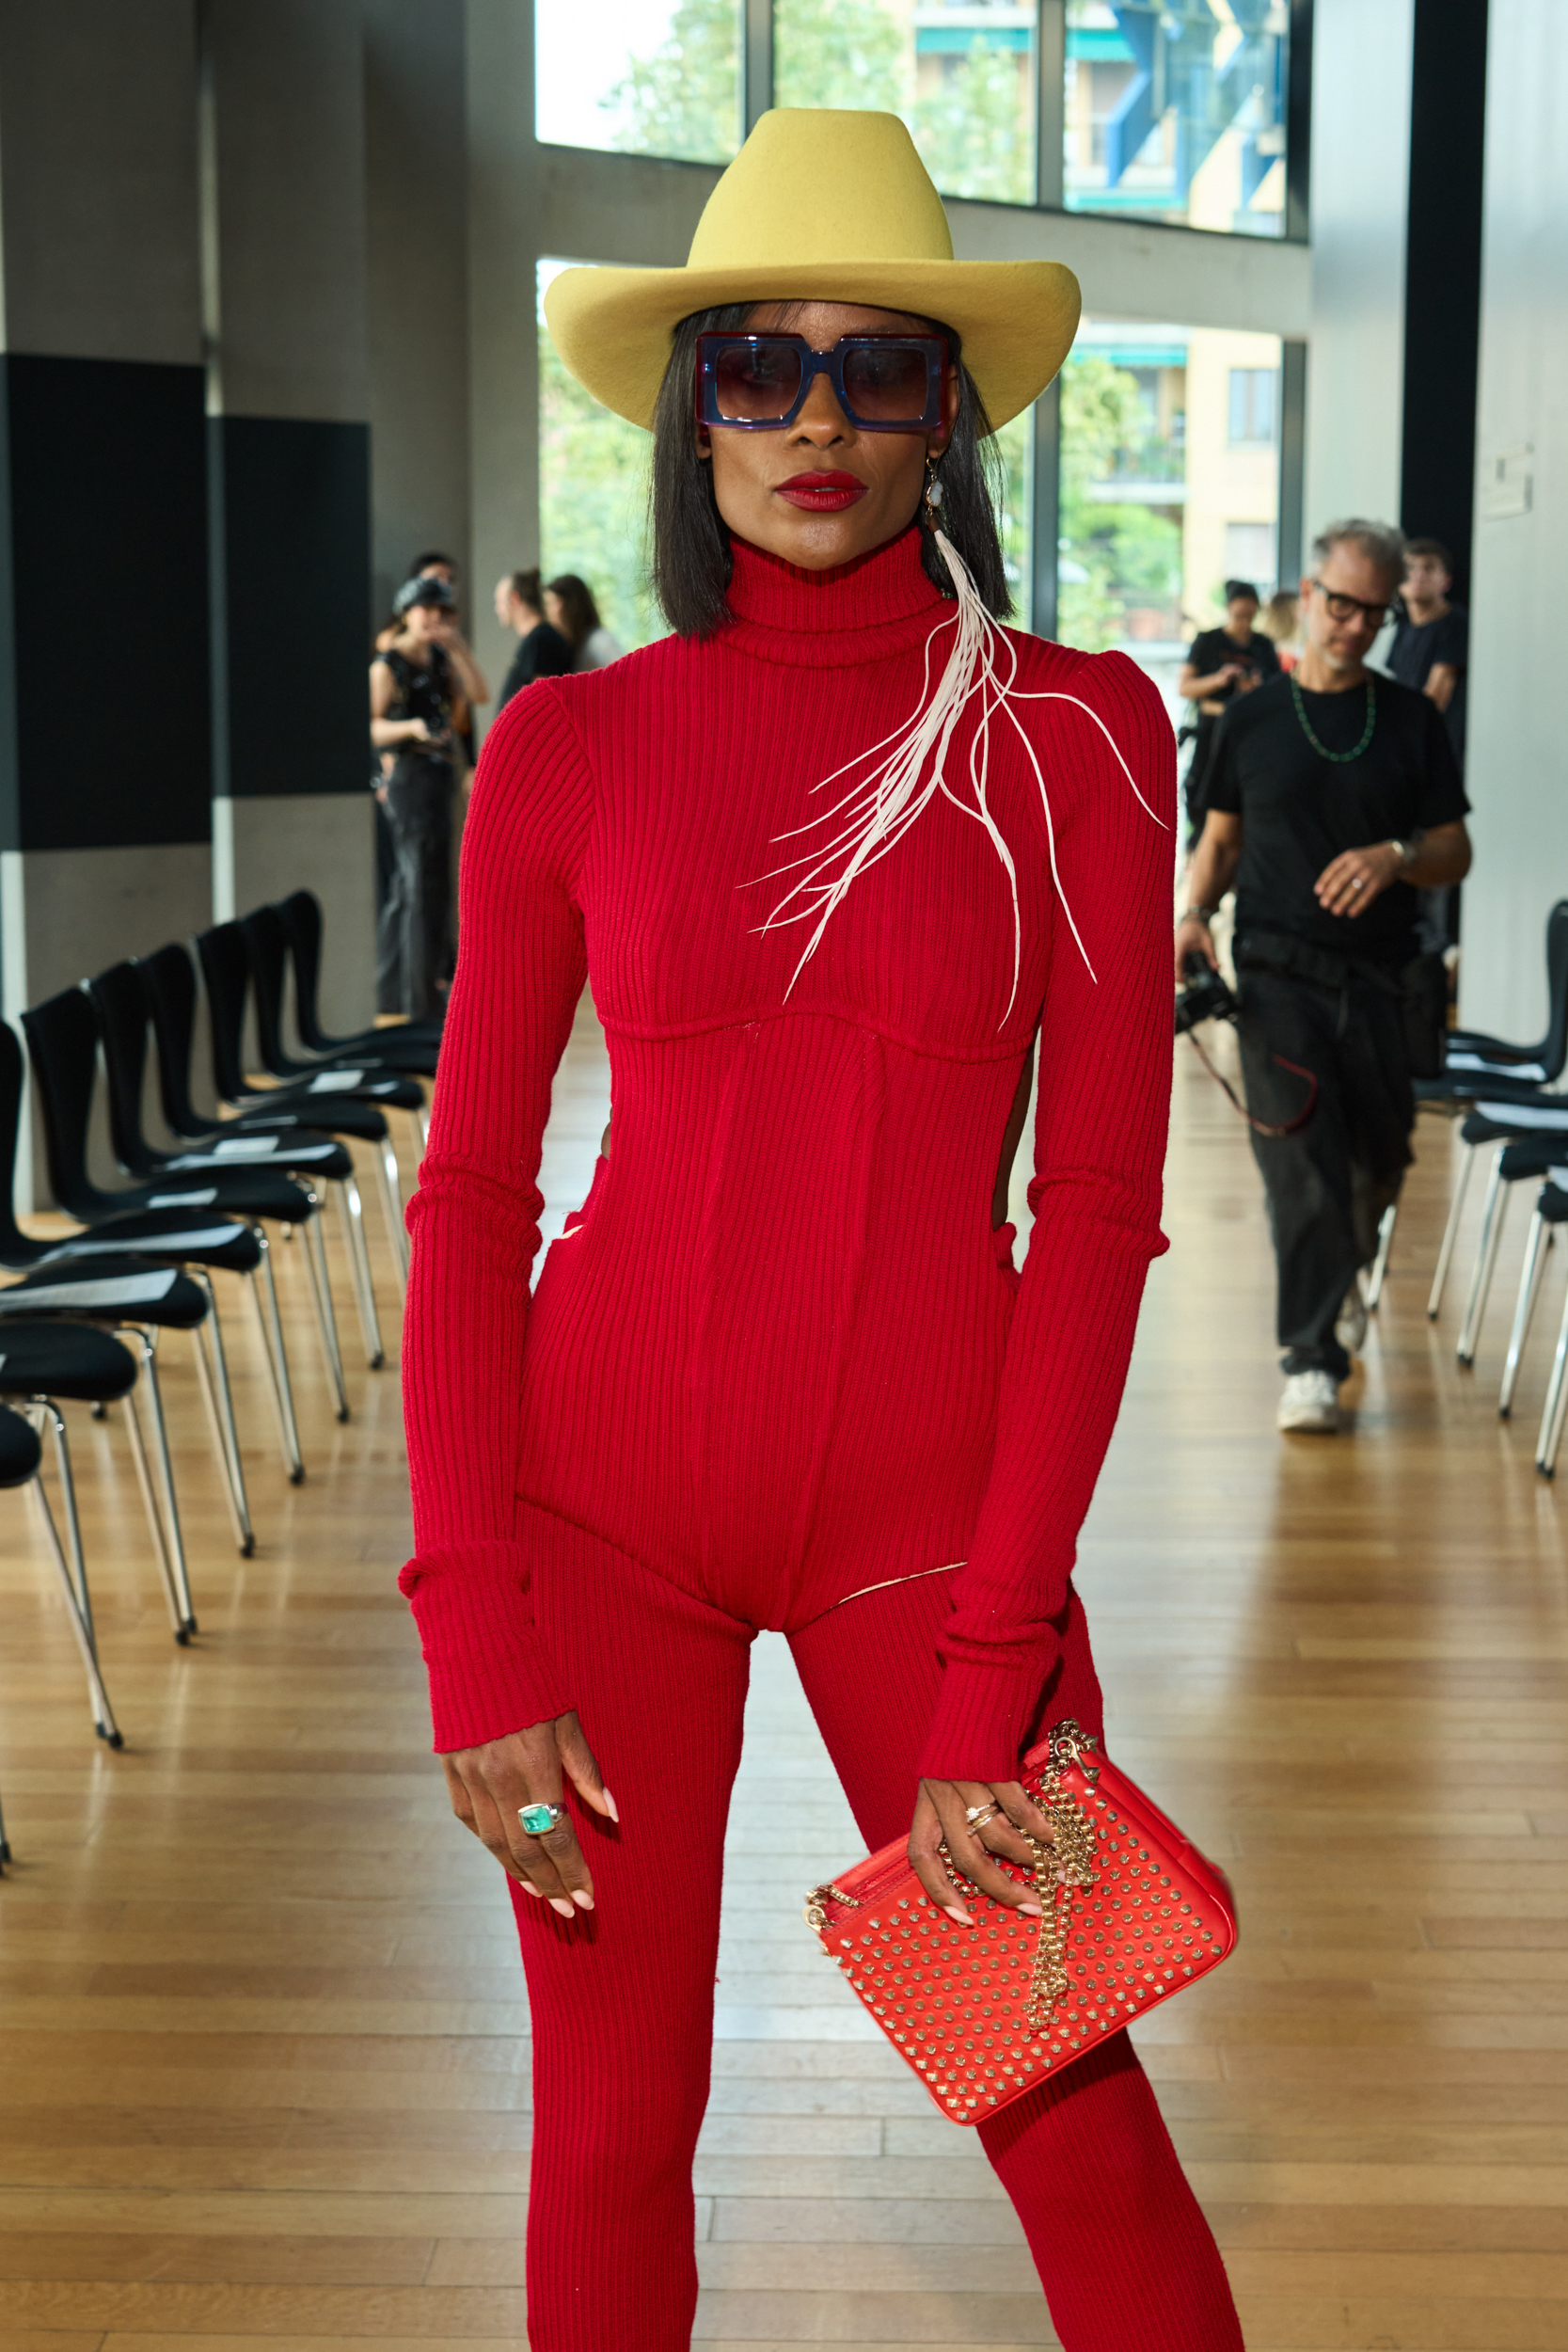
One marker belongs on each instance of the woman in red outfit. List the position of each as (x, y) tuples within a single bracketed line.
[(835, 856)]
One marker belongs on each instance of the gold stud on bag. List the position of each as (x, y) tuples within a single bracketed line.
[(1133, 1913)]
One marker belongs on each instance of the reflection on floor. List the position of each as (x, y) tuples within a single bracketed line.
[(265, 2055)]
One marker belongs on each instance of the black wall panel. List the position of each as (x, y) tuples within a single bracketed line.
[(1442, 310), (292, 604), (106, 677)]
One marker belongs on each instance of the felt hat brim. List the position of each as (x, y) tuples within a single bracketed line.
[(1017, 319)]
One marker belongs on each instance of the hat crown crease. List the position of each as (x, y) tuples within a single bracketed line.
[(800, 192)]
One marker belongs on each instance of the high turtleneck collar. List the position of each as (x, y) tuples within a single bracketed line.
[(858, 611)]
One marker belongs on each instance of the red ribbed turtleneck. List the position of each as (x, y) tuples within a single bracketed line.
[(780, 1357)]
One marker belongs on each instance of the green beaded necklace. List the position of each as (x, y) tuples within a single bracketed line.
[(1341, 759)]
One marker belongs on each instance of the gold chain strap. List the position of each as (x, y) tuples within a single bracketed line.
[(1058, 1870)]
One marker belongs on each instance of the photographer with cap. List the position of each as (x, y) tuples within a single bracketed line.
[(1331, 796), (415, 683)]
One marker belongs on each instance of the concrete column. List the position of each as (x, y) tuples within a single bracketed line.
[(287, 396), (504, 210), (104, 776), (416, 223), (1360, 177)]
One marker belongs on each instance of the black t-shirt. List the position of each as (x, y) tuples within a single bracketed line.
[(542, 653), (1212, 648), (1299, 811), (426, 690), (1417, 648)]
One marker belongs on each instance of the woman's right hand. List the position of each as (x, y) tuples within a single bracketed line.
[(489, 1785)]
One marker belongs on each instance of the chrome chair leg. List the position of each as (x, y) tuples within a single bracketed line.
[(221, 1408), (1380, 1263), (41, 1410), (352, 1216), (1493, 1213), (1550, 1435), (326, 1323), (149, 1341), (1540, 1241), (391, 1210), (154, 1521), (103, 1713), (1450, 1232), (263, 1290)]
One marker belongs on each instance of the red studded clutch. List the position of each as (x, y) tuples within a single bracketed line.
[(1133, 1913)]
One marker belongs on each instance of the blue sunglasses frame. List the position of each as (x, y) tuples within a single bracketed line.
[(932, 348)]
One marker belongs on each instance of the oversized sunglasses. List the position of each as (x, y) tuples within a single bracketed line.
[(883, 383)]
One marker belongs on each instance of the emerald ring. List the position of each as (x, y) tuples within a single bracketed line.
[(537, 1819)]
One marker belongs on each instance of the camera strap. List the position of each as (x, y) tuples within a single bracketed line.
[(1260, 1126)]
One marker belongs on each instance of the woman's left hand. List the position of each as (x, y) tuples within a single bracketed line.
[(1356, 877), (942, 1817)]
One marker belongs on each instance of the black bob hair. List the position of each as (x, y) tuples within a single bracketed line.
[(691, 562)]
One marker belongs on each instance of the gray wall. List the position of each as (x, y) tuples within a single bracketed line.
[(1516, 765), (1361, 58)]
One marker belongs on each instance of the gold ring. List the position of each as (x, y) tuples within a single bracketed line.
[(979, 1816)]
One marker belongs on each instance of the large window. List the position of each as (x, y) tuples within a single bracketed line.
[(593, 494), (961, 72), (651, 77), (1161, 500), (1174, 110)]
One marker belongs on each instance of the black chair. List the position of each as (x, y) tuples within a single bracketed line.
[(199, 1239), (62, 1037), (225, 965), (167, 986), (305, 1154), (404, 1046), (1469, 1050), (40, 1363), (21, 1455), (265, 945), (1541, 1126)]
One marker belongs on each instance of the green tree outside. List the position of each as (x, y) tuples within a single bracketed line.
[(1111, 555)]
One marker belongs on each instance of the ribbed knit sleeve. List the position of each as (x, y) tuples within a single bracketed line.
[(475, 1222), (1100, 1143)]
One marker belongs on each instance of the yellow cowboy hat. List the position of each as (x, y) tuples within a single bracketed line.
[(825, 205)]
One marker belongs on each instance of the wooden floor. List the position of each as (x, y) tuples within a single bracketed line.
[(263, 2047)]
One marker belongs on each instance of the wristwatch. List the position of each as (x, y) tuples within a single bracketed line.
[(1198, 915), (1409, 850)]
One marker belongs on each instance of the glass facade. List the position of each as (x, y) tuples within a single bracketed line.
[(1163, 499), (647, 77), (1174, 110), (961, 72)]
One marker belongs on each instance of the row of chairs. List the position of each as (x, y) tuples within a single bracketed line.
[(258, 1168), (1507, 1100)]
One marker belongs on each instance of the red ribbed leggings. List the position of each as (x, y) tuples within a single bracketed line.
[(623, 1998)]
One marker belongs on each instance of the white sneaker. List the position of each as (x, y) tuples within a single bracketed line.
[(1310, 1402), (1351, 1329)]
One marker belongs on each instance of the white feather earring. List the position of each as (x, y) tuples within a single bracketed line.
[(879, 809)]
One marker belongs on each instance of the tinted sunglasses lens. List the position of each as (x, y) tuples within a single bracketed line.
[(755, 383), (885, 383)]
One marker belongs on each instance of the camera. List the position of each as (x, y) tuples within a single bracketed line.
[(1203, 995)]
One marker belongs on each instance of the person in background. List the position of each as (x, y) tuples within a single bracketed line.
[(1280, 623), (413, 689), (569, 607), (1221, 665), (542, 650), (1330, 793), (1430, 652)]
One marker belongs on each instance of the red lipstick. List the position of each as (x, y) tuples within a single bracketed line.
[(822, 493)]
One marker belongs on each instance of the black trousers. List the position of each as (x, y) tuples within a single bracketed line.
[(1330, 1182), (414, 929)]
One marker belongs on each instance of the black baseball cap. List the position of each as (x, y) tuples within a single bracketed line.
[(425, 590)]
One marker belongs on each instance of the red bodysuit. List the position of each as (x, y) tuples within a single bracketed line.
[(781, 1357), (780, 1372)]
